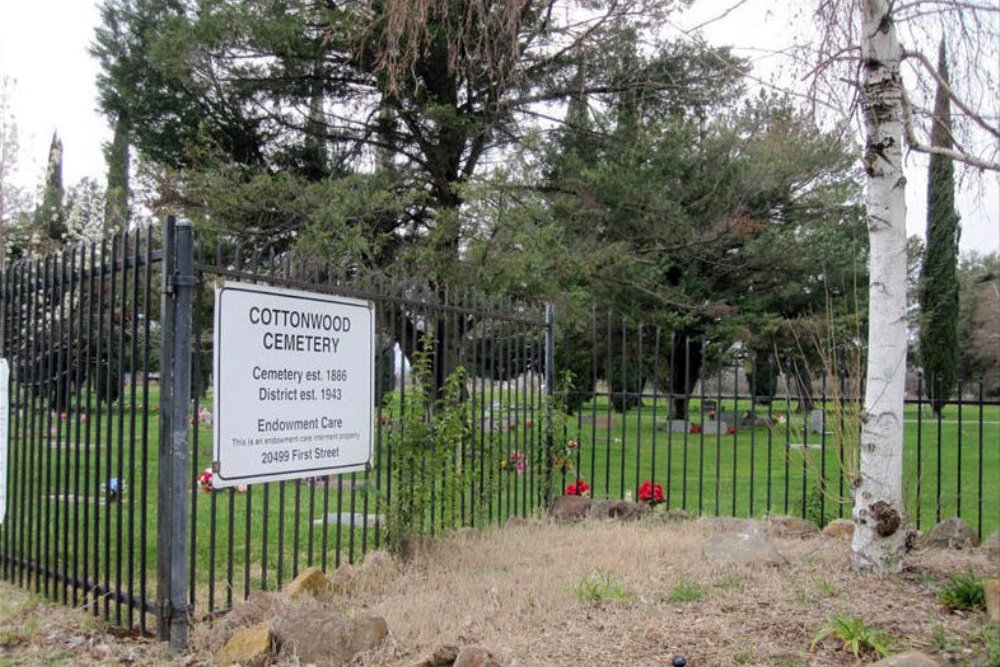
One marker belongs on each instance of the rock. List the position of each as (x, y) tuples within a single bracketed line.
[(442, 656), (249, 647), (260, 607), (311, 581), (329, 640), (790, 526), (992, 546), (677, 514), (731, 524), (741, 549), (839, 529), (622, 510), (567, 509), (991, 591), (474, 656), (908, 659), (951, 534)]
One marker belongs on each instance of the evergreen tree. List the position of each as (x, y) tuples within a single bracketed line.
[(50, 218), (939, 300), (116, 155)]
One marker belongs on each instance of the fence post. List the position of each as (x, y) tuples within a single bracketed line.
[(550, 376), (175, 394)]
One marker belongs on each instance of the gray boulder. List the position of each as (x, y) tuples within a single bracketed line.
[(951, 534)]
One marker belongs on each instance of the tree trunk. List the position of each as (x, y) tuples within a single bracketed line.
[(879, 536)]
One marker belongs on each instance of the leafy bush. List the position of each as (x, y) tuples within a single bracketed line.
[(856, 636), (964, 591), (429, 477)]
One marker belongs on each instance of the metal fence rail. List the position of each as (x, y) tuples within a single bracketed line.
[(78, 334), (110, 347), (730, 433)]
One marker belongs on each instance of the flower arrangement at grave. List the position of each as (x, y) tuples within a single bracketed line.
[(205, 481), (514, 461), (695, 428), (578, 488), (651, 493), (731, 430), (564, 461)]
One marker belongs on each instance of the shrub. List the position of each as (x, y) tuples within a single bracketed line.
[(964, 591)]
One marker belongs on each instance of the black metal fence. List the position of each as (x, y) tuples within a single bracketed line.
[(110, 352), (79, 334), (729, 431)]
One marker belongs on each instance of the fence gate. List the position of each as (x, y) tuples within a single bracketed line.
[(110, 347)]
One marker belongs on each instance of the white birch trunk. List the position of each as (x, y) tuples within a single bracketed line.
[(880, 530)]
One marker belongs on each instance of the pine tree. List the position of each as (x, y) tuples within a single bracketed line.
[(50, 218), (939, 301)]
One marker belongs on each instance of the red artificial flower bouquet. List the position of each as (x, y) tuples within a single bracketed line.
[(651, 493)]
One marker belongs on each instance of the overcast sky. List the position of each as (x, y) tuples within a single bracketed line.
[(43, 47)]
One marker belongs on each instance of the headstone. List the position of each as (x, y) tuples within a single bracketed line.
[(817, 422), (709, 405), (348, 518), (716, 427), (729, 417), (673, 425)]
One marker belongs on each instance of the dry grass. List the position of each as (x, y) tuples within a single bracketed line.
[(36, 632), (613, 594), (516, 591)]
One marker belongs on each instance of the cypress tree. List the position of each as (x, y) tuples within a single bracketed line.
[(939, 307), (116, 155), (50, 218)]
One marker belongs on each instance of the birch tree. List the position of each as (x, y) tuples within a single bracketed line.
[(864, 37)]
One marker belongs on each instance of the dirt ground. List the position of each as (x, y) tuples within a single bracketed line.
[(592, 594)]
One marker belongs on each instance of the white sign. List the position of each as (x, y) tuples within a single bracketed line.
[(4, 410), (293, 380)]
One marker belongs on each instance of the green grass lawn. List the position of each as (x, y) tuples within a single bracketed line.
[(241, 541), (778, 469)]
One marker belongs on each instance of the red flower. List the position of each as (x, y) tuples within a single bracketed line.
[(696, 428), (384, 419), (731, 430), (205, 481), (578, 488), (651, 493), (711, 415)]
